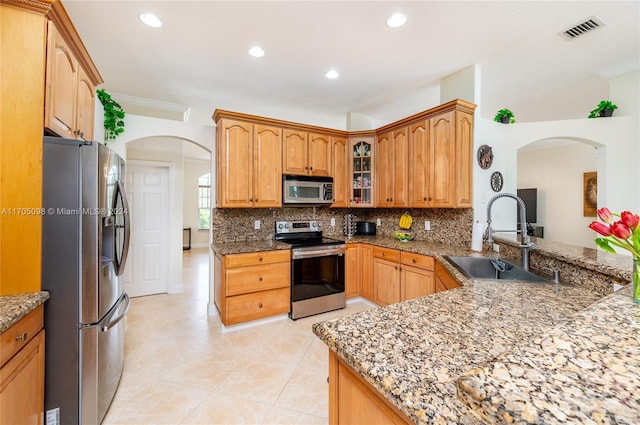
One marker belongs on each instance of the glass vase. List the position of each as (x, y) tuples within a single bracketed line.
[(636, 281)]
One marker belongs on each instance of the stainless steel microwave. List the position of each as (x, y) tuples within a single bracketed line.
[(306, 190)]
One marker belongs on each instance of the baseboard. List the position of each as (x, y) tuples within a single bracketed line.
[(362, 300), (175, 288)]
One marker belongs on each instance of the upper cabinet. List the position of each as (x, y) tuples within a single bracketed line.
[(426, 160), (248, 165), (391, 168), (340, 157), (306, 153), (70, 88), (360, 179), (422, 161)]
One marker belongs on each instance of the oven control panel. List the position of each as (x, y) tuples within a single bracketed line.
[(298, 226)]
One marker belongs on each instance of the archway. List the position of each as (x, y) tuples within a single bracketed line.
[(557, 167), (184, 159)]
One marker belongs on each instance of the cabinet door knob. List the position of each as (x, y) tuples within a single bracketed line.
[(260, 259), (396, 267), (414, 261), (260, 279), (22, 337), (424, 199), (260, 305)]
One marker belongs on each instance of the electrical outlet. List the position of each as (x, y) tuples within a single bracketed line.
[(496, 247), (378, 222), (333, 222), (427, 225), (256, 224), (53, 416)]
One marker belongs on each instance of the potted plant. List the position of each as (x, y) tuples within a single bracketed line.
[(505, 116), (605, 109), (113, 116)]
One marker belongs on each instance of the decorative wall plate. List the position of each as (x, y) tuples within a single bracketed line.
[(496, 181), (485, 156)]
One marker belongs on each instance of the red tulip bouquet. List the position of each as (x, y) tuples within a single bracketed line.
[(623, 233)]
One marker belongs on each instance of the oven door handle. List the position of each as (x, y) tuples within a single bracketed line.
[(310, 253)]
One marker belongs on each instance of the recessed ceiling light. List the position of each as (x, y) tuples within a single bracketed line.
[(332, 74), (396, 20), (256, 52), (150, 19)]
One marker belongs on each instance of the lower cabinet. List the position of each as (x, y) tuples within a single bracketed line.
[(444, 280), (353, 270), (366, 271), (252, 286), (353, 401), (22, 371), (400, 276)]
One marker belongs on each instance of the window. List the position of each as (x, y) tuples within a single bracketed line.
[(204, 201)]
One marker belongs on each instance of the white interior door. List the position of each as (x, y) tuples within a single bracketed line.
[(148, 193)]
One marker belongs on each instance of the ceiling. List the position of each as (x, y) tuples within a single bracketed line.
[(199, 57)]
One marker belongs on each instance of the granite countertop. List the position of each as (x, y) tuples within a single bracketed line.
[(415, 353), (15, 307), (586, 370), (244, 247)]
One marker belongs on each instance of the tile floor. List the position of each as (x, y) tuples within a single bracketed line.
[(181, 369)]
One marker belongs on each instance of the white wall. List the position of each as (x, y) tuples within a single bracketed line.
[(193, 169), (557, 173)]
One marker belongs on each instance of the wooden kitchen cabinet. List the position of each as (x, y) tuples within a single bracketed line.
[(417, 277), (22, 121), (392, 168), (361, 178), (22, 371), (340, 158), (252, 286), (248, 158), (419, 195), (70, 90), (444, 279), (366, 271), (352, 400), (306, 153), (386, 276), (353, 270), (400, 276)]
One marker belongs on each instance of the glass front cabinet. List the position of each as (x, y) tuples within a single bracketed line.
[(361, 172)]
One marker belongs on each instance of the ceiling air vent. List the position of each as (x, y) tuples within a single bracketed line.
[(583, 28)]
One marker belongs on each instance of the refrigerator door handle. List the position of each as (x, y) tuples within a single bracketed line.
[(121, 262), (110, 321), (106, 322)]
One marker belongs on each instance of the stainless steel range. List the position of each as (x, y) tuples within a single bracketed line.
[(317, 268)]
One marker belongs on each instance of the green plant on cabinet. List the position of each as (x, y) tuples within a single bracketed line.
[(113, 116)]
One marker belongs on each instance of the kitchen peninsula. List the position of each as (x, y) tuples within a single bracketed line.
[(501, 347)]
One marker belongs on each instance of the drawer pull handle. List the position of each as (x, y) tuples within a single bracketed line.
[(260, 259), (23, 337), (260, 279), (260, 305), (414, 261)]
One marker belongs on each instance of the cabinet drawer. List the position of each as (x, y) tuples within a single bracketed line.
[(253, 258), (417, 260), (386, 253), (257, 278), (18, 335), (257, 305)]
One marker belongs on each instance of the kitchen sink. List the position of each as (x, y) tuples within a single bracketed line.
[(493, 268)]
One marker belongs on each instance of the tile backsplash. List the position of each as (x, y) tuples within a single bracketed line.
[(448, 225)]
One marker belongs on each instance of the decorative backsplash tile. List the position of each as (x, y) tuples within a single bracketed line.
[(450, 226)]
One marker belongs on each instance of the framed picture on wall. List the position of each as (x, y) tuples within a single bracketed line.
[(590, 194)]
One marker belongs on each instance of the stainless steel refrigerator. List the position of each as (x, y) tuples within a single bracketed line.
[(85, 240)]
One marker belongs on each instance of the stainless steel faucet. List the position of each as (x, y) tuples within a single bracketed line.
[(525, 241)]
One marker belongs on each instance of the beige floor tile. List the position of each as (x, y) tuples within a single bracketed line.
[(226, 410), (181, 369), (278, 416)]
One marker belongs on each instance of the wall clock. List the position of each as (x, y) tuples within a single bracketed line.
[(496, 181), (485, 156)]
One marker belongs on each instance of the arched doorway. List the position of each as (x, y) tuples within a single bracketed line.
[(557, 168), (161, 187)]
